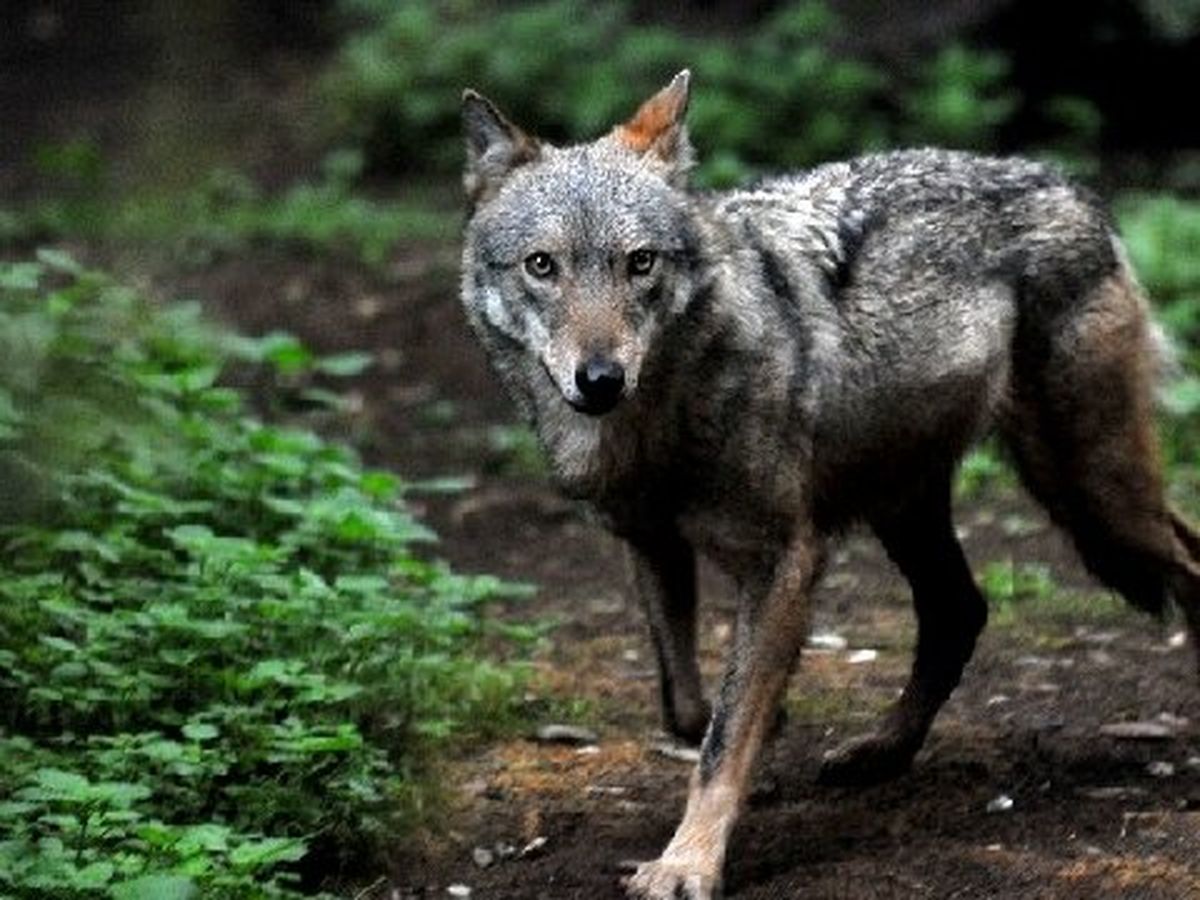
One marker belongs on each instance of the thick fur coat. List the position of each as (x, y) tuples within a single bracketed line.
[(744, 374)]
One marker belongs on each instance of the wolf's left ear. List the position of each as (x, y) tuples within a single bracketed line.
[(657, 129), (495, 146)]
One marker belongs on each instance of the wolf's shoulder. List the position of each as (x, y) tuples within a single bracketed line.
[(828, 213)]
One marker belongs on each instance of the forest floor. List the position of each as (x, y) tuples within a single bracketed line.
[(1087, 815)]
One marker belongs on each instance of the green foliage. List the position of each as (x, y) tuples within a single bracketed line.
[(226, 210), (223, 671), (1078, 123), (1026, 595), (771, 97), (1004, 583), (981, 471), (960, 100), (1163, 237), (774, 97)]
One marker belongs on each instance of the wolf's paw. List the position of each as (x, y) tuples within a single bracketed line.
[(688, 723), (869, 759), (668, 879)]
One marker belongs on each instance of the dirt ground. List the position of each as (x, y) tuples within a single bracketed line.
[(1086, 815)]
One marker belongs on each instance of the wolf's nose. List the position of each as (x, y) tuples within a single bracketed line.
[(600, 381)]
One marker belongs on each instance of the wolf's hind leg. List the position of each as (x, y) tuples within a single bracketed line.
[(663, 567), (950, 614)]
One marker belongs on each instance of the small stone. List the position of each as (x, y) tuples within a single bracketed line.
[(1101, 658), (840, 581), (1160, 768), (994, 848), (368, 307), (504, 850), (1034, 662), (1177, 640), (533, 847), (566, 734), (589, 750), (997, 699), (476, 787), (676, 752), (1046, 724), (1194, 763), (1045, 687), (458, 890), (999, 804), (826, 641), (1019, 526), (631, 655), (1110, 792), (1138, 731), (1173, 721), (865, 655), (483, 857), (606, 790)]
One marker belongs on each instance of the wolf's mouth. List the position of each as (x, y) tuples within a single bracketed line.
[(594, 408)]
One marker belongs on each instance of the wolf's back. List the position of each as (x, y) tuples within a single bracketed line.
[(920, 278)]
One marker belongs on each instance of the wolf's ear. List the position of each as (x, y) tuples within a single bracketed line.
[(495, 146), (657, 128)]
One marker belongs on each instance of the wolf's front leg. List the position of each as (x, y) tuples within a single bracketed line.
[(663, 569), (771, 629)]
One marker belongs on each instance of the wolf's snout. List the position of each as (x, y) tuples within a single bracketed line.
[(600, 382)]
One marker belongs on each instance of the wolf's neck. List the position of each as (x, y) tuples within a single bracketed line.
[(594, 457)]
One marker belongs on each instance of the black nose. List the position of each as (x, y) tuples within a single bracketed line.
[(600, 381)]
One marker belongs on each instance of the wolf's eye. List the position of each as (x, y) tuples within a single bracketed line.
[(540, 265), (641, 262)]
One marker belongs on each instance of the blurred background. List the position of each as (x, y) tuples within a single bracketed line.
[(230, 663), (164, 137), (137, 92)]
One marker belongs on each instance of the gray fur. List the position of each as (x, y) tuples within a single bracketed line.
[(813, 351), (896, 279)]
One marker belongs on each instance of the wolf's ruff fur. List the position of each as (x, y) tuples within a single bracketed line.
[(814, 351)]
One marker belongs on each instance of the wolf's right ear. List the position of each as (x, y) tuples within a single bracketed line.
[(657, 130), (495, 146)]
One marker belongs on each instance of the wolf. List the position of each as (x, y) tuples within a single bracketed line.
[(746, 374)]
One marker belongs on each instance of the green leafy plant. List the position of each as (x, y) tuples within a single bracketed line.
[(394, 85), (1163, 237), (960, 99), (224, 671), (982, 471), (1005, 582), (225, 211)]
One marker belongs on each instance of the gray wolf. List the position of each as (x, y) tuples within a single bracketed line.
[(745, 374)]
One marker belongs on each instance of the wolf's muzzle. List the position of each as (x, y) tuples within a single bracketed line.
[(600, 382)]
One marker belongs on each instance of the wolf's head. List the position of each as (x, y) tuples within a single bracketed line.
[(574, 255)]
